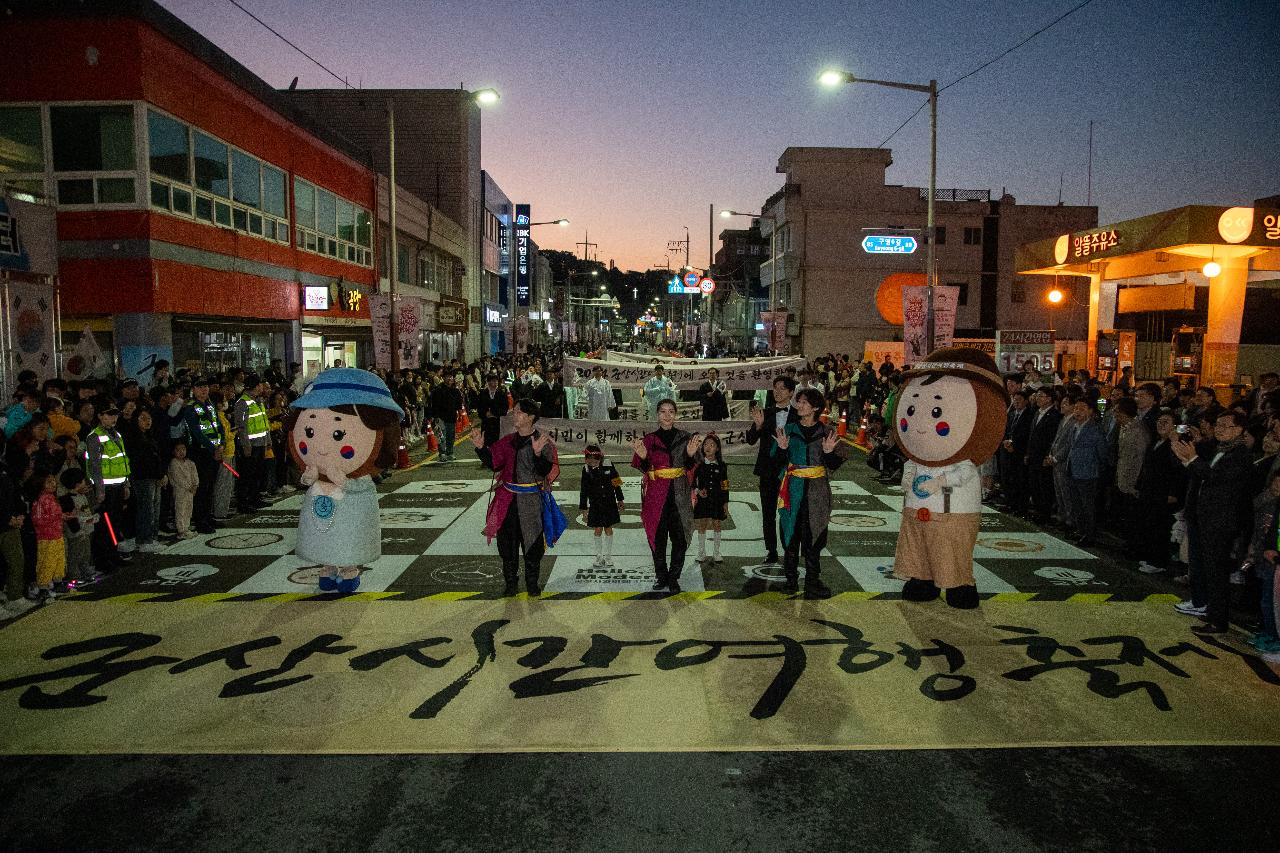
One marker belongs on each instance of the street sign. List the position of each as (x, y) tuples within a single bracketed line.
[(888, 244), (691, 279), (707, 285), (676, 285)]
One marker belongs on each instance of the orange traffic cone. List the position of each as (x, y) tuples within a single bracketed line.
[(463, 423), (862, 433), (432, 443), (843, 429), (825, 418), (402, 458)]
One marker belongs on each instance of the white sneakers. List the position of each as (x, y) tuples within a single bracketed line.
[(151, 548), (1148, 569), (1187, 608)]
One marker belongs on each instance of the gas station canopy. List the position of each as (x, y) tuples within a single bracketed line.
[(1222, 247)]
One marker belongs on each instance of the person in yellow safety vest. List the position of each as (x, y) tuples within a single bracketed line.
[(205, 448), (253, 437), (107, 468)]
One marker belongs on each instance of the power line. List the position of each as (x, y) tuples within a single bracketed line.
[(278, 35), (989, 62)]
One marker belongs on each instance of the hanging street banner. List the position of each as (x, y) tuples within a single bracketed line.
[(615, 437), (523, 257), (914, 306), (380, 317), (630, 374)]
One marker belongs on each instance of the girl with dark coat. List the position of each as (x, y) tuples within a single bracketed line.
[(600, 502), (711, 497)]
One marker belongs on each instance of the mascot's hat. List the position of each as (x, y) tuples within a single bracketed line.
[(972, 364), (346, 385)]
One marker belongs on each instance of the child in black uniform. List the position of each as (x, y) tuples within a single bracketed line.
[(711, 501), (600, 502)]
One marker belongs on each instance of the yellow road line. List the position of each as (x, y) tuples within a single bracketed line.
[(856, 595), (370, 596), (1089, 598), (1012, 596), (611, 596), (134, 597), (452, 595), (283, 597), (212, 596), (1161, 598)]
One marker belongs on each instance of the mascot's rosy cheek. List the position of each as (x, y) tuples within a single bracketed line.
[(948, 421)]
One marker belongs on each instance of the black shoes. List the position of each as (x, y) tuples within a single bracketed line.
[(1208, 628), (772, 559), (792, 586), (963, 597), (661, 583), (673, 585), (918, 589)]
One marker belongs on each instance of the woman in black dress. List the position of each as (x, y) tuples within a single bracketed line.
[(600, 502)]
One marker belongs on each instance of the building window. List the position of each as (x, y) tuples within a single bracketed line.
[(94, 140), (402, 264), (22, 151), (169, 148), (318, 216), (940, 239), (212, 170), (193, 174), (963, 298), (972, 236)]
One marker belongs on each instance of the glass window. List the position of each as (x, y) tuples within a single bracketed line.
[(273, 197), (211, 165), (255, 223), (169, 155), (182, 200), (402, 264), (115, 191), (21, 140), (364, 231), (346, 220), (159, 195), (204, 208), (92, 139), (304, 203), (246, 179), (326, 212), (222, 214), (75, 191), (240, 218)]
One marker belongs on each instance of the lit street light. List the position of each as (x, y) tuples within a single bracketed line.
[(487, 97), (834, 77), (1055, 296)]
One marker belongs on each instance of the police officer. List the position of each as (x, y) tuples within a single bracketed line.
[(205, 448), (107, 469), (253, 437)]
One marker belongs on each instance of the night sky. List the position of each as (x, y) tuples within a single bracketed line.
[(629, 118)]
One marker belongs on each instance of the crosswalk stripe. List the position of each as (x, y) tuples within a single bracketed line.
[(1090, 598)]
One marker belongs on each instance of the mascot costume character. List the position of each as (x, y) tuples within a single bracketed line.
[(949, 419), (343, 429)]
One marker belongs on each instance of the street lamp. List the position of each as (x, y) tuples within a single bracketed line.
[(834, 77), (550, 222), (1055, 296), (486, 97)]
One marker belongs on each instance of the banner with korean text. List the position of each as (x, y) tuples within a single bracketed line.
[(615, 437), (632, 374)]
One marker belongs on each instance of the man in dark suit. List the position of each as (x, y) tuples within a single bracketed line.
[(1013, 452), (1044, 428), (764, 426), (490, 408), (1217, 500)]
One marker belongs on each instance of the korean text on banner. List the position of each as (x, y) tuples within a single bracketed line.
[(630, 374), (615, 437), (914, 319), (380, 315)]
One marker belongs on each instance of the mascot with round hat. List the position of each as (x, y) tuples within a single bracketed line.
[(949, 419), (343, 429)]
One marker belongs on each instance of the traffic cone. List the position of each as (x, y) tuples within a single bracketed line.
[(862, 433), (843, 429), (825, 418), (432, 443), (402, 458), (463, 423)]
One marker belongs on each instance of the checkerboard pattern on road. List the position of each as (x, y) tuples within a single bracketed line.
[(433, 549)]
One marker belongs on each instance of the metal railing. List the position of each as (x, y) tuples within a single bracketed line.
[(955, 195)]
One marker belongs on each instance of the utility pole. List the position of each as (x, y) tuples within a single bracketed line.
[(393, 270), (586, 244), (711, 260)]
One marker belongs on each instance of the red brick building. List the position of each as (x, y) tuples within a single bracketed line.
[(194, 204)]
